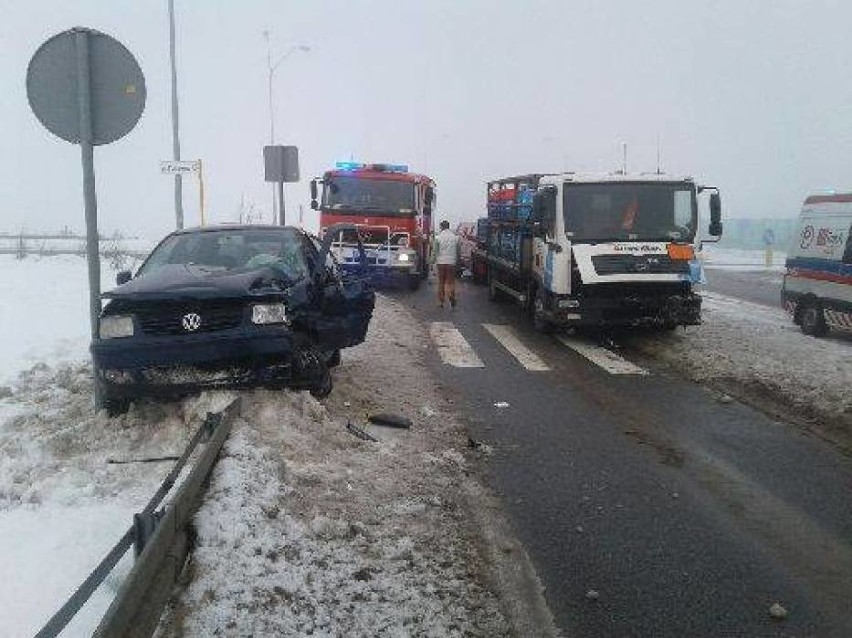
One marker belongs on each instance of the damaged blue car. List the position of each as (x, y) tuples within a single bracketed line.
[(228, 306)]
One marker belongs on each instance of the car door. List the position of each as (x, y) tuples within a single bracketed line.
[(346, 298)]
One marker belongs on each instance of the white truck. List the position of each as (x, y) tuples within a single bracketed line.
[(817, 289), (602, 251)]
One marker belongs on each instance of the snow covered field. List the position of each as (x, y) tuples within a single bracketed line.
[(390, 525)]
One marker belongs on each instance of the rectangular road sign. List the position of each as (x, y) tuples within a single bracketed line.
[(171, 167)]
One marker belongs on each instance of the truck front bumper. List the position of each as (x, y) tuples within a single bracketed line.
[(629, 310)]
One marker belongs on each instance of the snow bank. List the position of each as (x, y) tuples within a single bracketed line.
[(307, 530), (750, 349), (62, 506)]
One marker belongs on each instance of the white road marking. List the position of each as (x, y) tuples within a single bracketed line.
[(602, 357), (507, 339), (452, 347)]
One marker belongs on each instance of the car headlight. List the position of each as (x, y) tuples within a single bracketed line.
[(114, 326), (266, 313)]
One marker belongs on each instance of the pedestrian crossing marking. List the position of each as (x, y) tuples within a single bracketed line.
[(526, 357), (602, 357), (453, 349)]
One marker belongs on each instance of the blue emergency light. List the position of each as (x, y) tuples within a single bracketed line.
[(349, 166)]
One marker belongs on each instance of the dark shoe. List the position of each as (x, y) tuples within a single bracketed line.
[(452, 302)]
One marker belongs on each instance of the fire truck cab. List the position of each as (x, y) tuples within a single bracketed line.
[(392, 211)]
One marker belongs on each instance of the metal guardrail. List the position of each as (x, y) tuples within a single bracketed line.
[(160, 541)]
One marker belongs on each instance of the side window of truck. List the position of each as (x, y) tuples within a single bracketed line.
[(847, 254)]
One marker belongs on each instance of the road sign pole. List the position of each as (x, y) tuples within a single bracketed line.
[(281, 212), (84, 101), (89, 195)]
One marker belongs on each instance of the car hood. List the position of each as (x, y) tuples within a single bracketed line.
[(189, 281)]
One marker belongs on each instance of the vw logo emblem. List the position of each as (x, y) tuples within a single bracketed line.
[(191, 322)]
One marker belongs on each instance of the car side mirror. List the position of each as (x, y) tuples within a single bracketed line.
[(123, 277)]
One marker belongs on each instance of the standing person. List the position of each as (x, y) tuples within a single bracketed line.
[(445, 255)]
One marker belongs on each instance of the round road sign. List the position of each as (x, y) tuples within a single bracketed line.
[(117, 87)]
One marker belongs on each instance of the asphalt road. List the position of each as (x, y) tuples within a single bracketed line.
[(758, 286), (687, 515)]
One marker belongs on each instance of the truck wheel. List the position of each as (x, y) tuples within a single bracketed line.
[(812, 319), (493, 293), (539, 308)]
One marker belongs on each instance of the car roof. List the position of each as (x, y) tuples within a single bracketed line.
[(237, 227)]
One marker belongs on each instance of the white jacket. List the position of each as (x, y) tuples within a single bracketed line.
[(445, 249)]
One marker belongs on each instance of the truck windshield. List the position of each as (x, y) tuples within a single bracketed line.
[(389, 197), (630, 211)]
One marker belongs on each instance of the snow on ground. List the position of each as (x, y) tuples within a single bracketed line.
[(62, 507), (308, 530), (45, 310), (756, 351), (305, 528)]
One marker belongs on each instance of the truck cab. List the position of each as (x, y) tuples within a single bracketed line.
[(598, 250), (391, 210)]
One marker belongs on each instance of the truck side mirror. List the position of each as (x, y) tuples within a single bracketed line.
[(314, 204), (715, 208), (429, 198), (715, 228)]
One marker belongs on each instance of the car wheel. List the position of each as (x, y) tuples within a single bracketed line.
[(414, 281), (812, 319), (540, 322), (323, 387), (334, 359)]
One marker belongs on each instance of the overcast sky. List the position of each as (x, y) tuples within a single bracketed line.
[(752, 96)]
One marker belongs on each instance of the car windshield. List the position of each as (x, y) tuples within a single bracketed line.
[(392, 197), (630, 211), (232, 251)]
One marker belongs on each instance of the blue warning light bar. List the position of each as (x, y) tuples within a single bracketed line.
[(390, 168), (349, 166)]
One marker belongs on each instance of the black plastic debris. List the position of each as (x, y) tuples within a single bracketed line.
[(358, 432), (390, 420)]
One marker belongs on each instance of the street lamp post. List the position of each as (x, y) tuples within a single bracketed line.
[(175, 134), (277, 212)]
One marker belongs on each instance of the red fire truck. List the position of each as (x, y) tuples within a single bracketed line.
[(392, 211)]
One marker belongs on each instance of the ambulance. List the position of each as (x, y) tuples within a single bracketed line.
[(817, 289)]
